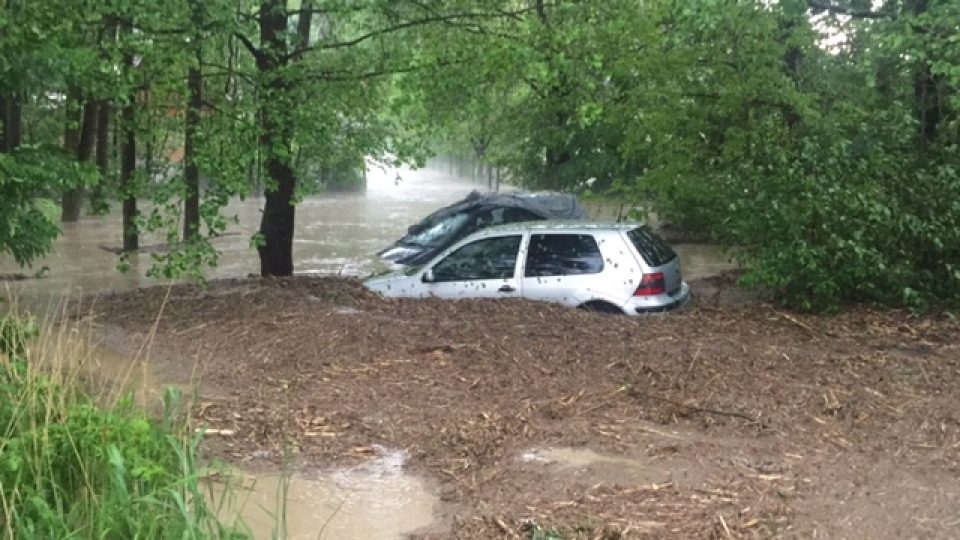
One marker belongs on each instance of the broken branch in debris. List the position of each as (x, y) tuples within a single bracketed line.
[(735, 414)]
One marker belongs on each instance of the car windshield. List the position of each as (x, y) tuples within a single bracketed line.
[(435, 234)]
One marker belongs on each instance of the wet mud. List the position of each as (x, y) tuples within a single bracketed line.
[(729, 419)]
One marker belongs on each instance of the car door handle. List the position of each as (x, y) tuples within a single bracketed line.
[(506, 288)]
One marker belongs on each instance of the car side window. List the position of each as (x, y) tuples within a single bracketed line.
[(563, 255), (487, 258)]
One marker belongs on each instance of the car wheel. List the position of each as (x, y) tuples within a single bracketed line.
[(599, 306)]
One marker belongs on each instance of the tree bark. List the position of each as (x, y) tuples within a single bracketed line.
[(71, 132), (191, 173), (11, 118), (304, 23), (72, 202), (128, 158), (3, 124), (102, 151), (277, 223), (926, 87), (128, 166)]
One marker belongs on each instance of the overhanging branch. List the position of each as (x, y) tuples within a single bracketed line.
[(406, 25), (343, 76), (249, 45)]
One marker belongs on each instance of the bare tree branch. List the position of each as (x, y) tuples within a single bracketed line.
[(403, 26), (257, 54), (344, 76)]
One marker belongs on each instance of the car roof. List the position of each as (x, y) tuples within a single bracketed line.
[(545, 204), (563, 226)]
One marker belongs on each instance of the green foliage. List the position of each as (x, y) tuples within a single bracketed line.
[(824, 168), (15, 334), (74, 468), (29, 179), (824, 179), (828, 168), (538, 533)]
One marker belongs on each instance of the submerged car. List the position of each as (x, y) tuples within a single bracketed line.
[(442, 228), (607, 267)]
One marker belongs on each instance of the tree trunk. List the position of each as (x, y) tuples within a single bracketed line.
[(304, 23), (71, 132), (128, 165), (98, 195), (277, 223), (3, 124), (276, 226), (128, 158), (72, 202), (926, 91), (102, 151), (11, 118), (191, 173)]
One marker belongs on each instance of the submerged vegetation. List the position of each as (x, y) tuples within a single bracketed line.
[(72, 466)]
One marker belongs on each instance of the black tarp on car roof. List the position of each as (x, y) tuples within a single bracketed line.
[(548, 205)]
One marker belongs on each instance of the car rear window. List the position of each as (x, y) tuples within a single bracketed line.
[(652, 248)]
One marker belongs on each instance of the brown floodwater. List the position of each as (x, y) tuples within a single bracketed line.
[(607, 469), (377, 499), (335, 234)]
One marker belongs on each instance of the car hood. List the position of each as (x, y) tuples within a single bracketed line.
[(400, 252), (389, 283)]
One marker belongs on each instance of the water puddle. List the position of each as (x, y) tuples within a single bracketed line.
[(583, 463), (113, 374), (373, 500), (376, 499)]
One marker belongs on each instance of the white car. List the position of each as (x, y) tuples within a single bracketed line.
[(608, 267)]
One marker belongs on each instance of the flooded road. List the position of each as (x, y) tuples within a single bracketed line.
[(335, 234)]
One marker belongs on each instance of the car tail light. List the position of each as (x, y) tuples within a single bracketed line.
[(651, 285)]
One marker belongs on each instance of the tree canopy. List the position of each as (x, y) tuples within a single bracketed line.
[(818, 139)]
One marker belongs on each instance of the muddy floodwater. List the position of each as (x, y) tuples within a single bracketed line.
[(372, 500), (375, 499), (335, 234)]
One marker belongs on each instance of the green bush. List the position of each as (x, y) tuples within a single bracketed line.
[(846, 222), (73, 468), (831, 214)]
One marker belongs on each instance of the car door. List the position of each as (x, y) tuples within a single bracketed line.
[(482, 268), (561, 267)]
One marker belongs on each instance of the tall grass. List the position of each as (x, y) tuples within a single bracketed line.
[(76, 466)]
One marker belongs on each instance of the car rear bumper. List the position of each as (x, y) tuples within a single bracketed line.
[(681, 299)]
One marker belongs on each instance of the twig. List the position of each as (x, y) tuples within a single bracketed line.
[(504, 528), (735, 414), (797, 322), (725, 528)]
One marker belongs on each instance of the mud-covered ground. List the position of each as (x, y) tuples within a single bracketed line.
[(730, 419)]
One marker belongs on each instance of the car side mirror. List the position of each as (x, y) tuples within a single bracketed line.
[(428, 276)]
